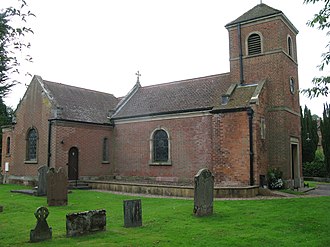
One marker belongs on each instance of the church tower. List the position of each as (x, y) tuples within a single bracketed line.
[(263, 48)]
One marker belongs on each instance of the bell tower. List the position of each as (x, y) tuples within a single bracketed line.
[(263, 47)]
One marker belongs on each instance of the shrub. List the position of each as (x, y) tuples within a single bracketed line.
[(316, 168), (274, 177)]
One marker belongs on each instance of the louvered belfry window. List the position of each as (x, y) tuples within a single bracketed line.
[(160, 143), (254, 44)]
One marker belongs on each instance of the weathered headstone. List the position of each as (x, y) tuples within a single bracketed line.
[(83, 223), (132, 213), (42, 231), (57, 187), (203, 193), (1, 178), (42, 181)]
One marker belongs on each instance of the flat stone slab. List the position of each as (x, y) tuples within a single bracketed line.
[(26, 192)]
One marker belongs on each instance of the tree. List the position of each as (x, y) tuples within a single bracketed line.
[(320, 20), (12, 42), (309, 135), (325, 130)]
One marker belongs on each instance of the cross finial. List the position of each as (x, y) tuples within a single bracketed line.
[(138, 76)]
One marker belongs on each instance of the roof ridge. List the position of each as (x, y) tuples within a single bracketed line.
[(77, 87), (185, 80)]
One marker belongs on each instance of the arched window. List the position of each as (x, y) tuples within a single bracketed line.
[(160, 146), (31, 145), (254, 44), (290, 46), (105, 150), (8, 146)]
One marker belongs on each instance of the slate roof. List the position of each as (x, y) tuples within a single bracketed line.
[(180, 96), (79, 104), (259, 11), (240, 98)]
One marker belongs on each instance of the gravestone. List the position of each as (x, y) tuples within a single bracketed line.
[(1, 178), (1, 208), (132, 213), (57, 187), (203, 193), (42, 181), (83, 223), (42, 231)]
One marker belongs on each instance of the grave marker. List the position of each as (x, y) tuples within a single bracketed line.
[(42, 231), (83, 223), (203, 193), (57, 187), (42, 181), (132, 213)]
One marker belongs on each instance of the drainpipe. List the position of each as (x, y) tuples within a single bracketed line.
[(250, 114), (49, 141), (240, 54)]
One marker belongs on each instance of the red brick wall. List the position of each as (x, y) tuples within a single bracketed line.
[(231, 148), (190, 144), (33, 111), (88, 139)]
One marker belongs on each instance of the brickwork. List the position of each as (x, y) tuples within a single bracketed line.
[(190, 147), (231, 148)]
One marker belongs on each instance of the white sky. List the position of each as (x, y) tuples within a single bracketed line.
[(100, 44)]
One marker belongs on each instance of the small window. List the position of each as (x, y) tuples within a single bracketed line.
[(8, 146), (290, 46), (31, 145), (105, 150), (254, 44), (292, 86), (263, 128), (160, 146)]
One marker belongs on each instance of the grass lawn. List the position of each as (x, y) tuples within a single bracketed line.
[(169, 222)]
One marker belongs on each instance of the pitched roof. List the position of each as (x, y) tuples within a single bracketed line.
[(79, 104), (260, 11), (180, 96)]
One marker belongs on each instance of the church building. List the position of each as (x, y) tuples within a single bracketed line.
[(238, 124)]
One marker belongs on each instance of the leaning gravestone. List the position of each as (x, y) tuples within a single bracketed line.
[(132, 213), (203, 193), (57, 187), (42, 231), (42, 181), (83, 223)]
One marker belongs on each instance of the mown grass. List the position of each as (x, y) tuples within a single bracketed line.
[(169, 222)]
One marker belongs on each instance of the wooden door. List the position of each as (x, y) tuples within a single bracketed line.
[(73, 164)]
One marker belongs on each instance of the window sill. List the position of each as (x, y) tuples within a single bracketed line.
[(152, 163), (105, 162), (31, 162)]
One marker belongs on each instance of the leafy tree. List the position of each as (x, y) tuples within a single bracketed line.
[(5, 118), (320, 20), (309, 135), (325, 130), (13, 43)]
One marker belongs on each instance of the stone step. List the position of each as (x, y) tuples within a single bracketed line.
[(78, 185)]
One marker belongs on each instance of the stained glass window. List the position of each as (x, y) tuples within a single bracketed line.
[(160, 146), (31, 152), (105, 156)]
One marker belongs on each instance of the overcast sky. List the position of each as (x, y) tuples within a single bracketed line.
[(100, 44)]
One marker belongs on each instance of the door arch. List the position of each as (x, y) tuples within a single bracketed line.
[(73, 164)]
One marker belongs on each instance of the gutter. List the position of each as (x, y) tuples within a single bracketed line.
[(250, 115)]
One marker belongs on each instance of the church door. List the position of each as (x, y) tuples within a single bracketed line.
[(73, 164)]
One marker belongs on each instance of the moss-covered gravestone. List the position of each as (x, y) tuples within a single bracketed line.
[(132, 213), (203, 193), (42, 231)]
